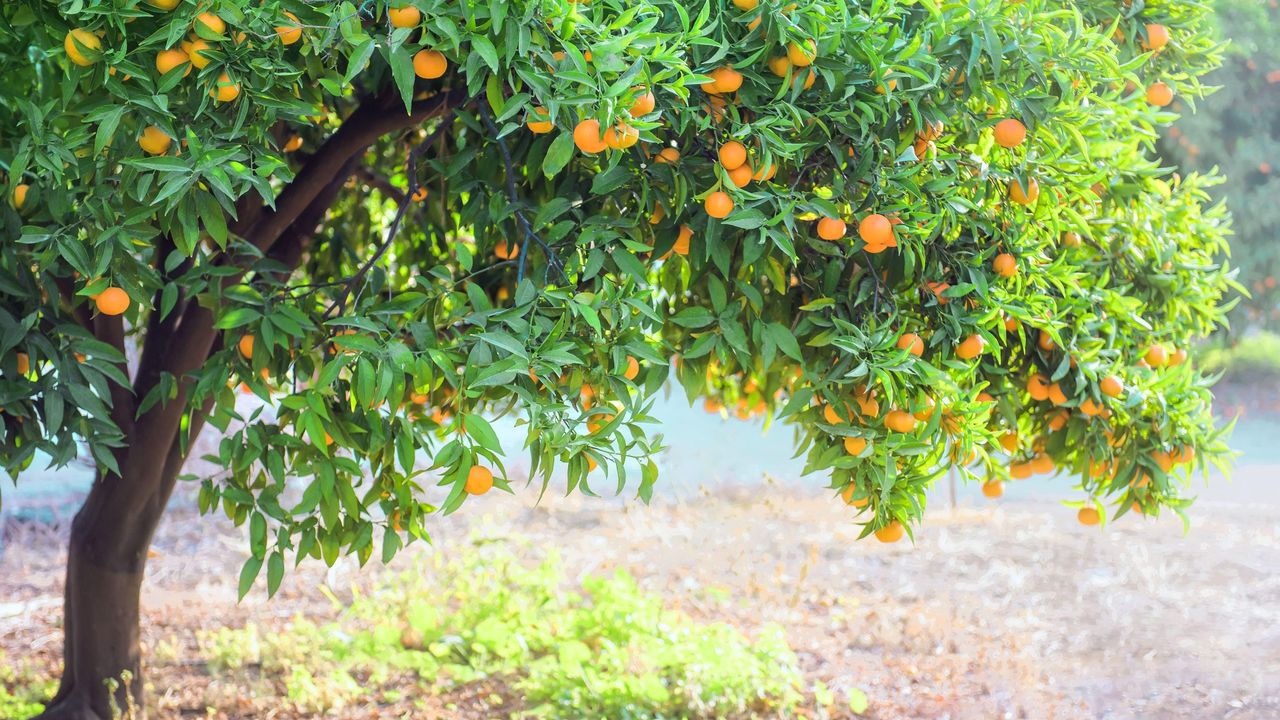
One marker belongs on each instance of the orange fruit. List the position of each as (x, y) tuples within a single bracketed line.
[(855, 445), (621, 136), (1111, 386), (167, 60), (1058, 420), (1090, 407), (633, 369), (780, 65), (290, 33), (993, 488), (802, 55), (293, 144), (246, 346), (925, 412), (849, 499), (1045, 341), (1042, 464), (1185, 454), (1159, 94), (890, 533), (1156, 356), (404, 17), (1038, 387), (1024, 197), (539, 122), (1157, 37), (832, 416), (740, 176), (971, 347), (900, 421), (82, 47), (718, 204), (723, 80), (588, 138), (1010, 133), (224, 90), (420, 194), (164, 4), (1071, 239), (1009, 441), (479, 480), (1088, 516), (746, 5), (20, 195), (211, 22), (154, 141), (668, 156), (644, 103), (505, 250), (1163, 459), (429, 64), (112, 301), (1177, 357), (912, 343), (681, 246), (1005, 265), (712, 405), (1020, 471), (830, 228), (195, 49), (764, 172), (1056, 395), (876, 230), (24, 363), (732, 154)]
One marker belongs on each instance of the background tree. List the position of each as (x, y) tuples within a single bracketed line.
[(928, 234), (1236, 130)]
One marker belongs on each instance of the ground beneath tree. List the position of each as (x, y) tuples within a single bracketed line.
[(1001, 610)]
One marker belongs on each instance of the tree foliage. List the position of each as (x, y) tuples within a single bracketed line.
[(470, 262), (1235, 132)]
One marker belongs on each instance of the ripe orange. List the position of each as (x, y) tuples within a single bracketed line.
[(876, 230), (1045, 341), (912, 343), (1005, 265), (246, 346), (723, 80), (681, 246), (1090, 407), (291, 32), (154, 141), (971, 347), (1156, 356), (1071, 239), (779, 65), (167, 60), (1038, 387), (404, 17), (211, 22), (830, 228), (1111, 386), (479, 480), (802, 55), (591, 463), (1056, 395), (539, 121), (82, 47), (855, 445), (1042, 464), (668, 156), (740, 176), (1058, 420), (833, 416), (195, 49), (1159, 94), (429, 64), (588, 138), (644, 103), (890, 533), (1009, 441), (293, 144), (164, 4), (993, 488), (712, 405), (420, 194), (1010, 133), (1024, 197), (764, 172), (112, 301), (20, 195), (732, 154), (633, 369), (847, 495), (225, 90), (505, 250), (24, 363), (1185, 454), (718, 204), (1177, 357), (1157, 37), (900, 421), (621, 136), (926, 406), (1020, 471), (1088, 516), (932, 131)]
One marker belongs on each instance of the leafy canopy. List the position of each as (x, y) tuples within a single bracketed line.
[(469, 260)]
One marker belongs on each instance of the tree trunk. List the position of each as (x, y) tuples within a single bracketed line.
[(110, 536)]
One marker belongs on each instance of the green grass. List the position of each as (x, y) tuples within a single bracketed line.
[(1250, 357), (22, 690), (600, 647)]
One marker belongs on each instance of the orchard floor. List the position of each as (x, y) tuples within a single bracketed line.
[(999, 610)]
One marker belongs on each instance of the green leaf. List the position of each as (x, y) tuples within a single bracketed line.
[(481, 431), (558, 155), (248, 574)]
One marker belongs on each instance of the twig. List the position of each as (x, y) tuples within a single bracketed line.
[(553, 259)]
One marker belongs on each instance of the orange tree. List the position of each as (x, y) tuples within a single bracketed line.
[(1235, 130), (929, 234)]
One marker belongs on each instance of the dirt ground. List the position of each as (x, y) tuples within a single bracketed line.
[(999, 610)]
